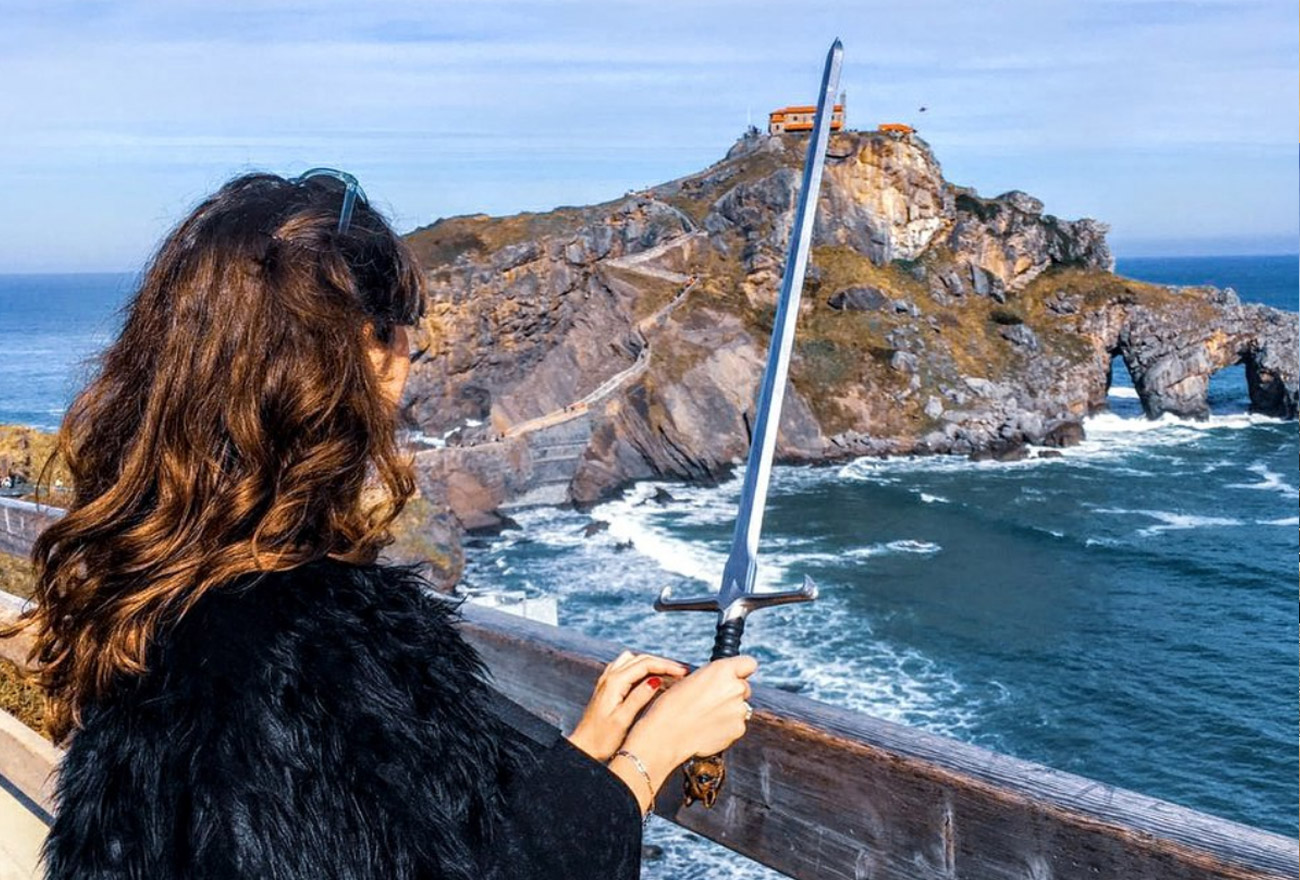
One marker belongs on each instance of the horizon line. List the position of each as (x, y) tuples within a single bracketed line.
[(6, 273)]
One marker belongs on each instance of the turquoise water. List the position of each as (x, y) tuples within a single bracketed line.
[(1127, 612)]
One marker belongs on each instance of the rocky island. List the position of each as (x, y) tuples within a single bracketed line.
[(568, 353)]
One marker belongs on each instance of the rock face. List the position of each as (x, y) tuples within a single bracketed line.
[(574, 351), (1171, 362)]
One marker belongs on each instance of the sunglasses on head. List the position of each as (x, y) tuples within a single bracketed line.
[(350, 192)]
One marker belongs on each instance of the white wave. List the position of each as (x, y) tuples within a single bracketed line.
[(652, 526), (933, 499), (1284, 521), (1109, 440), (649, 527), (831, 654), (892, 471), (1109, 423), (1122, 392), (909, 546), (789, 558), (1170, 521), (822, 650), (1269, 482)]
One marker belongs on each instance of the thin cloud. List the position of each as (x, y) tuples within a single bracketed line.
[(129, 111)]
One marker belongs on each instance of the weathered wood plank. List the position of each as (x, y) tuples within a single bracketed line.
[(20, 840), (27, 762), (820, 792)]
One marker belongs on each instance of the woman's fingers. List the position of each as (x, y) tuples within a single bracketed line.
[(618, 662), (636, 700), (627, 658), (621, 681), (742, 666)]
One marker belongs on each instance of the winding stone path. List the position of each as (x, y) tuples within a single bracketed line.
[(579, 408)]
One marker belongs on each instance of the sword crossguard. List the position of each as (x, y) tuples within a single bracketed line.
[(741, 606)]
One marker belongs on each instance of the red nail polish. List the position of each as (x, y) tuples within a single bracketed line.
[(655, 682)]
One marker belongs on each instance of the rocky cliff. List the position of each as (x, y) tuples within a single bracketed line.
[(568, 353)]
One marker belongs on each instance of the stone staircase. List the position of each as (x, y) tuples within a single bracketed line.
[(556, 451)]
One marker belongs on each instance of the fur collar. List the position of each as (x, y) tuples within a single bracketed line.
[(328, 715)]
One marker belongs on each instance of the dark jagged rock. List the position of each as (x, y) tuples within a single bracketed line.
[(587, 347), (1002, 451), (662, 496), (1063, 434), (858, 299), (595, 527), (1019, 334)]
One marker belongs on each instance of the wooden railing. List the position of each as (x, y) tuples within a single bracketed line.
[(21, 522), (819, 792)]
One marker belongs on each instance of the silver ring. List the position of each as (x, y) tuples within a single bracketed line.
[(749, 711)]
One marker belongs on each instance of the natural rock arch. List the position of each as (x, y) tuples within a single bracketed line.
[(1172, 354)]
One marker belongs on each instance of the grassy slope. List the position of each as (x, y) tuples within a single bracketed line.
[(15, 575), (21, 698), (26, 450)]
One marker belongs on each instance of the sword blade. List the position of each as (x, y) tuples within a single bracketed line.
[(739, 573)]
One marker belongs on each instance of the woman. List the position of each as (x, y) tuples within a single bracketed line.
[(245, 691)]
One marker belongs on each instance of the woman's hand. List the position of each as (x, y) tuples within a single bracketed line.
[(703, 714), (625, 688)]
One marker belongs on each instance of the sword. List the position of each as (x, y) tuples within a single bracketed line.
[(736, 597)]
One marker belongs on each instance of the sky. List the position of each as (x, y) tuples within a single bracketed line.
[(1171, 120)]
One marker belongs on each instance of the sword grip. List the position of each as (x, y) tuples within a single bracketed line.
[(727, 641), (702, 777)]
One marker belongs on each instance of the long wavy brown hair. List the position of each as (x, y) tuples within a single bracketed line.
[(231, 428)]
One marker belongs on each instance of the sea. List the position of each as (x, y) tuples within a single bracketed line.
[(1126, 612)]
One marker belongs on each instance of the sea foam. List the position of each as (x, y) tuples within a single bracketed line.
[(1269, 482), (1173, 521)]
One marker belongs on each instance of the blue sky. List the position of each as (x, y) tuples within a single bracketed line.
[(1175, 122)]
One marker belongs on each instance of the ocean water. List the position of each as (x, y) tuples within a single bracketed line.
[(51, 326), (1127, 611)]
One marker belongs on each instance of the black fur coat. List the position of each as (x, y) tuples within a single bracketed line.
[(328, 722)]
